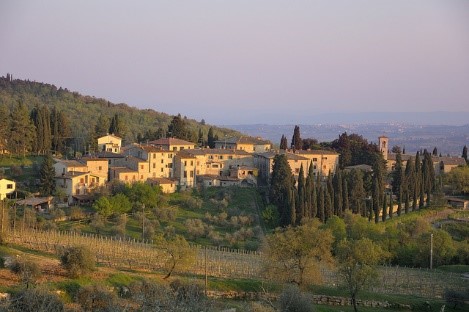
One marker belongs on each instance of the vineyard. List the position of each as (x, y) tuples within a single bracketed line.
[(224, 262)]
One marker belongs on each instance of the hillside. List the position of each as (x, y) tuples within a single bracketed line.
[(84, 110)]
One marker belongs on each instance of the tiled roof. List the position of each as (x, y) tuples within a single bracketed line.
[(109, 155), (244, 140), (316, 152), (71, 163), (290, 156), (170, 141), (123, 170), (163, 180), (216, 151)]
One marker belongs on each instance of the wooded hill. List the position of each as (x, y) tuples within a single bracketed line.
[(85, 112)]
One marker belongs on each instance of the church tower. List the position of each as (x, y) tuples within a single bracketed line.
[(383, 146)]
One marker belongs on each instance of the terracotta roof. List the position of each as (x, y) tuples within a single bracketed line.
[(86, 159), (447, 160), (316, 152), (111, 135), (216, 151), (123, 170), (136, 159), (34, 201), (163, 180), (170, 141), (290, 156), (71, 163), (245, 140), (109, 155), (153, 149), (71, 174)]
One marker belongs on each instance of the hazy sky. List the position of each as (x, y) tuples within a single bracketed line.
[(246, 61)]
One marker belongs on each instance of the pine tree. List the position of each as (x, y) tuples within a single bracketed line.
[(283, 143), (296, 142), (47, 176)]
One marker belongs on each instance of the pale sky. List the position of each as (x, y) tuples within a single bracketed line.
[(246, 61)]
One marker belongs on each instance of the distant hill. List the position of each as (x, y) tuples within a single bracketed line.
[(448, 139), (84, 110)]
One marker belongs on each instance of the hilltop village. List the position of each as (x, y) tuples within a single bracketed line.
[(175, 164)]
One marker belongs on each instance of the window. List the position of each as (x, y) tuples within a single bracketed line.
[(185, 163), (154, 166), (192, 162), (191, 174), (221, 157), (100, 168), (161, 170), (315, 159), (185, 174), (181, 148), (141, 167), (154, 156), (315, 167), (9, 186), (297, 170), (325, 158), (197, 172), (162, 161), (174, 148), (230, 157), (198, 163)]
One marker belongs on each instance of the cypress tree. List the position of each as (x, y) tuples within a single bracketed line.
[(409, 184), (338, 193), (357, 193), (391, 207), (283, 143), (309, 185), (345, 196), (435, 151), (296, 142), (376, 199), (210, 138), (281, 186), (417, 176), (385, 208), (328, 208), (429, 176), (314, 203), (321, 208), (300, 205), (21, 134), (292, 207), (464, 153), (47, 176), (330, 191)]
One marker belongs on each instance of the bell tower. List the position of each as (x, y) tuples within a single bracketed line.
[(383, 146)]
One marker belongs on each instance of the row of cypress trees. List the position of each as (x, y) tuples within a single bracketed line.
[(361, 192)]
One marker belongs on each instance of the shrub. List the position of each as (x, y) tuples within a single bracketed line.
[(28, 271), (77, 261), (76, 213), (35, 300), (96, 298), (455, 298), (293, 300)]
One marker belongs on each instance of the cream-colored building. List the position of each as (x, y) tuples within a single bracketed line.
[(245, 143), (110, 143), (6, 187), (440, 164), (159, 160), (167, 185), (324, 162), (76, 180)]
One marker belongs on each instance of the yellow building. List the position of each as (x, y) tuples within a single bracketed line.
[(6, 187), (109, 143), (172, 144)]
